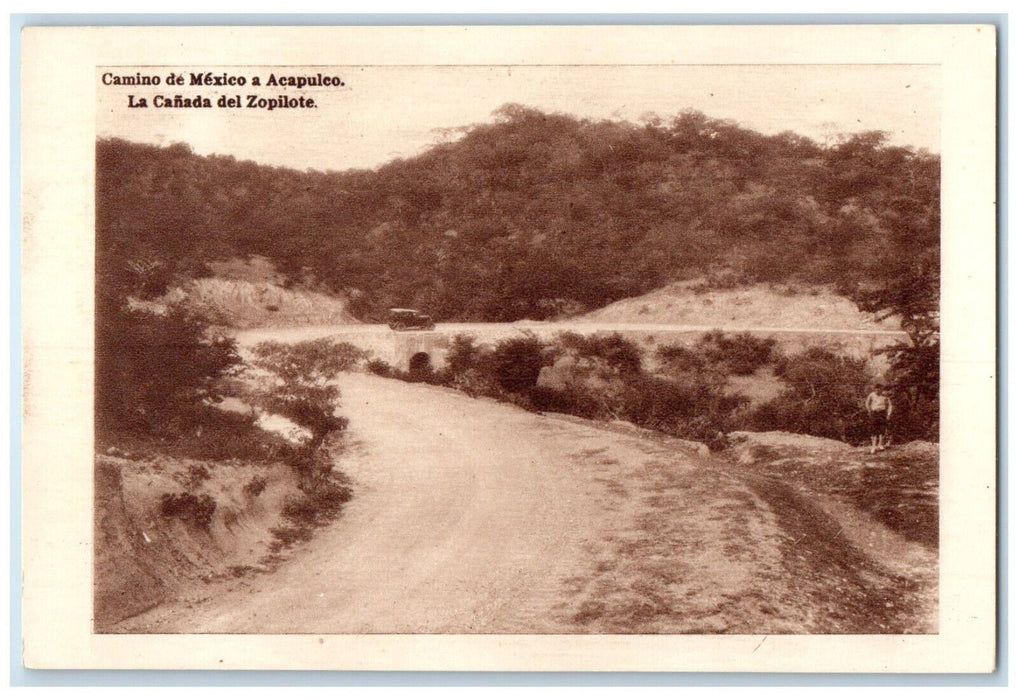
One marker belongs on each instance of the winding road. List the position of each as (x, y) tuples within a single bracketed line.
[(473, 516)]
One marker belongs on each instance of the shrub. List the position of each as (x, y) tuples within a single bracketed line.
[(195, 510), (196, 475), (680, 359), (463, 355), (380, 367), (208, 433), (153, 370), (475, 382), (573, 400), (309, 361), (621, 355), (309, 406), (739, 354), (824, 397), (300, 389), (516, 363), (255, 487), (308, 510), (658, 403), (315, 505)]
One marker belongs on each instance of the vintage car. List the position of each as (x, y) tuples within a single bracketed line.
[(409, 320)]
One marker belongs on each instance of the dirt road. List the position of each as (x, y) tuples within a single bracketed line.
[(473, 516), (292, 334)]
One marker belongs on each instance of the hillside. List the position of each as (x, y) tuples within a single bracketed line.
[(249, 293), (533, 215), (755, 306)]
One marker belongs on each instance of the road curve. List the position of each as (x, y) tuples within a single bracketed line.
[(471, 516), (468, 516)]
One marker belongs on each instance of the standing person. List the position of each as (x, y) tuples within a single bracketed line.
[(878, 411)]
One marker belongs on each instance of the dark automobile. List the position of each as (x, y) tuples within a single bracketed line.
[(409, 320)]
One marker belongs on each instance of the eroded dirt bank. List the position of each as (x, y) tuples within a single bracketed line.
[(473, 516), (167, 527)]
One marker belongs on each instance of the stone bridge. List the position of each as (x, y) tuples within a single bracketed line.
[(417, 350)]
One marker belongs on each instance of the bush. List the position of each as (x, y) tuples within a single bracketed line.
[(621, 355), (825, 397), (255, 487), (196, 475), (194, 510), (311, 407), (380, 367), (574, 401), (208, 433), (316, 505), (516, 363), (309, 361), (740, 354), (463, 355), (680, 359), (475, 382), (691, 407), (300, 389), (308, 510), (154, 370)]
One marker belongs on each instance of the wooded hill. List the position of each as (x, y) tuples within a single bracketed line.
[(533, 215)]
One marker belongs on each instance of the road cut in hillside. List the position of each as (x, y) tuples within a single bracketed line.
[(471, 516)]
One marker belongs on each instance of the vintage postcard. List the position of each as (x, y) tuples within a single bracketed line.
[(509, 348)]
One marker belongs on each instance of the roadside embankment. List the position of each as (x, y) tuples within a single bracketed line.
[(167, 526)]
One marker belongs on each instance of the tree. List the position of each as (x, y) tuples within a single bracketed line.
[(823, 397), (155, 363), (299, 385), (914, 374), (296, 382)]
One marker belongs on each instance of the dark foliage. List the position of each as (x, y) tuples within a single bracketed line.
[(622, 356), (380, 367), (534, 215), (313, 507), (308, 361), (736, 354), (321, 503), (217, 435), (690, 405), (255, 487), (197, 474), (516, 363), (303, 392), (679, 359), (912, 293), (575, 401), (194, 510), (824, 397), (463, 354), (154, 370)]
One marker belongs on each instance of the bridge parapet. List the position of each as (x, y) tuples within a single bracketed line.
[(408, 345), (399, 348)]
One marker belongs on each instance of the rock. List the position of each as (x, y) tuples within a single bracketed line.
[(621, 426), (780, 438), (920, 447)]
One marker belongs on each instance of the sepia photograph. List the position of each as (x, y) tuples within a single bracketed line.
[(516, 348)]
